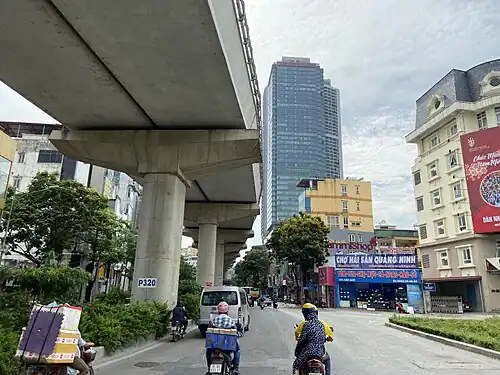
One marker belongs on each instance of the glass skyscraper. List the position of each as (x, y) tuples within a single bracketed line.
[(301, 135)]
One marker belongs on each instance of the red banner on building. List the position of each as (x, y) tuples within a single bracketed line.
[(481, 154), (326, 276)]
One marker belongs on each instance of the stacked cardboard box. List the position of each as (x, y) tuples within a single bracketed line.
[(51, 335)]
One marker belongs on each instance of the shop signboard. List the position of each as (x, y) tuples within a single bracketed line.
[(481, 154), (326, 276), (377, 261), (343, 247), (378, 276), (415, 297), (429, 287)]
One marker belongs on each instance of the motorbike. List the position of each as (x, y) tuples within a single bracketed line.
[(88, 355), (400, 308), (275, 305), (221, 362), (262, 305), (177, 331), (315, 365)]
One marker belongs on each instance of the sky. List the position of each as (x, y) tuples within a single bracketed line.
[(382, 55)]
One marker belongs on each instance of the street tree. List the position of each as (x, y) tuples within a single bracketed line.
[(51, 217), (300, 242), (253, 269)]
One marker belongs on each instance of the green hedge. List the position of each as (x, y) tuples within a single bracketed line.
[(117, 325), (9, 365), (484, 333)]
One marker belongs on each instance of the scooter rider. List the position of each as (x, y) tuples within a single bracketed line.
[(223, 320), (311, 335), (179, 314)]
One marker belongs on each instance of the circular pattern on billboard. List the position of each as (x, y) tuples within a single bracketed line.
[(490, 189)]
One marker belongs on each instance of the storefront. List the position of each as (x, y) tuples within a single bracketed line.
[(378, 281)]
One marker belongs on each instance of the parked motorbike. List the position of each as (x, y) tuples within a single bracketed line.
[(262, 305), (88, 356), (275, 305), (400, 308), (221, 362), (177, 331)]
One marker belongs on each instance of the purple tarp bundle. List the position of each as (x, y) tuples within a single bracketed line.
[(41, 333)]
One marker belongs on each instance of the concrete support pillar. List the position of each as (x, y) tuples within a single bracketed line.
[(206, 254), (160, 237), (219, 264)]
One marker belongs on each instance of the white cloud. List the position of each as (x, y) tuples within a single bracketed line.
[(382, 55)]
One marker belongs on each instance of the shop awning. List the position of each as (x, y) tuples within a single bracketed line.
[(450, 279), (493, 265)]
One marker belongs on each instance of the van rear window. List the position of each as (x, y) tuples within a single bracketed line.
[(213, 298)]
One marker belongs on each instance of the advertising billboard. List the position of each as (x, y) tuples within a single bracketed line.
[(376, 261), (326, 276), (481, 154)]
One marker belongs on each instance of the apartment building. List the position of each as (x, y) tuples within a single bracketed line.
[(7, 152), (345, 205), (457, 200)]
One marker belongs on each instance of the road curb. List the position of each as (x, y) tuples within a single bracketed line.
[(443, 340)]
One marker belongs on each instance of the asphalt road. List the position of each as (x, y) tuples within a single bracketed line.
[(362, 346)]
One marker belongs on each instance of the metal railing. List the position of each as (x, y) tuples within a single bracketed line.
[(244, 32)]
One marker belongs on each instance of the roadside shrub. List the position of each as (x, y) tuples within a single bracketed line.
[(481, 332), (114, 296), (192, 303), (9, 365), (118, 325)]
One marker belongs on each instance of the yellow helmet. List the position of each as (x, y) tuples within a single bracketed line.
[(307, 308)]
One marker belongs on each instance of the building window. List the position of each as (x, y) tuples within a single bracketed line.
[(352, 238), (333, 221), (358, 206), (360, 238), (16, 182), (452, 160), (436, 197), (426, 261), (433, 170), (346, 221), (49, 156), (416, 178), (482, 122), (21, 157), (498, 249), (497, 115), (434, 140), (420, 203), (465, 255), (422, 229), (442, 258), (344, 206), (457, 190), (453, 129), (343, 189), (461, 222), (356, 223), (440, 228), (357, 189)]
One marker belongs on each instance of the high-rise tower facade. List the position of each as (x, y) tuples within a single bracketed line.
[(301, 135)]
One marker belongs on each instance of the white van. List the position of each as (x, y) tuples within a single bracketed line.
[(235, 297)]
